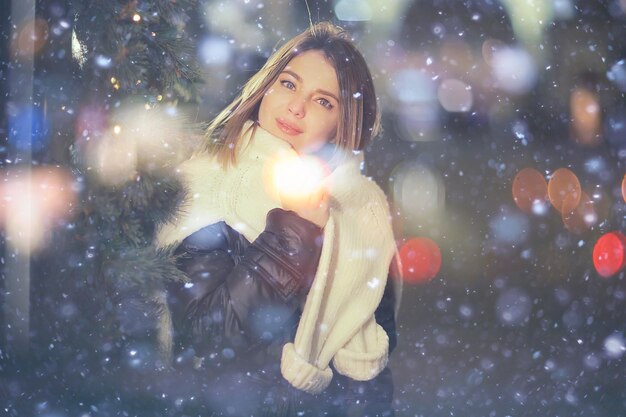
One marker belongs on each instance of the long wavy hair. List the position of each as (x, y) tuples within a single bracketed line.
[(359, 121)]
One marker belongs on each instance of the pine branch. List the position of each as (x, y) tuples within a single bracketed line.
[(141, 270), (138, 47)]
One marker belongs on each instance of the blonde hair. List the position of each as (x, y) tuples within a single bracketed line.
[(359, 121)]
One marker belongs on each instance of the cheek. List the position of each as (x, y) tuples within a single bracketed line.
[(270, 99), (333, 125), (265, 103), (333, 131)]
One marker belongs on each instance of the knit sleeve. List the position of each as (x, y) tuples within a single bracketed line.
[(338, 322), (365, 355)]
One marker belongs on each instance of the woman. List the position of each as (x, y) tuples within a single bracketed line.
[(287, 288)]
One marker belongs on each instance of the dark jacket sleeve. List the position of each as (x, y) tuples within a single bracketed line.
[(241, 294), (386, 313), (373, 397)]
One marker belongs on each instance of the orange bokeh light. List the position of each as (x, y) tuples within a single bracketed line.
[(529, 188), (586, 118), (31, 38), (490, 48), (564, 190), (420, 259), (608, 254), (581, 218)]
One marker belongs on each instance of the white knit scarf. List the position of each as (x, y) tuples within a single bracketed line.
[(337, 321)]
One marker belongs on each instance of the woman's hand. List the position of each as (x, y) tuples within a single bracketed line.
[(313, 207)]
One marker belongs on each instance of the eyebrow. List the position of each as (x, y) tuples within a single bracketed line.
[(319, 90)]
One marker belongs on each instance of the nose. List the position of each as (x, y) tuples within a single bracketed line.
[(296, 107)]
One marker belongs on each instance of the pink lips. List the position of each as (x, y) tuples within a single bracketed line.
[(287, 128)]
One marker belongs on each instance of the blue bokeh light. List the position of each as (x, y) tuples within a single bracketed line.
[(28, 119)]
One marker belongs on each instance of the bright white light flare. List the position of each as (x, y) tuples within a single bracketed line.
[(298, 179)]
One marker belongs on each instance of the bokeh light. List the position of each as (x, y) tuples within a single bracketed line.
[(586, 118), (31, 38), (563, 9), (615, 345), (91, 121), (414, 97), (564, 190), (230, 21), (530, 191), (514, 70), (624, 188), (617, 74), (455, 95), (114, 159), (136, 136), (529, 18), (417, 192), (455, 57), (513, 307), (608, 254), (157, 131), (490, 48), (420, 258), (410, 86), (28, 128), (418, 122), (31, 201), (582, 217), (509, 227), (614, 126), (214, 51), (353, 10), (103, 61)]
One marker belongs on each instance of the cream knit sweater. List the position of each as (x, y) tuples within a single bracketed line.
[(337, 321)]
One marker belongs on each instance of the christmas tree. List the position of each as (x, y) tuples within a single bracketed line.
[(138, 61)]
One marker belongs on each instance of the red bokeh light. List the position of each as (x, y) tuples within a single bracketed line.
[(608, 254), (421, 260)]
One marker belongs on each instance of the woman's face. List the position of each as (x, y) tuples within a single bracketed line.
[(302, 106)]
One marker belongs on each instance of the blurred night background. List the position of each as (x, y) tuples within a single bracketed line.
[(502, 155)]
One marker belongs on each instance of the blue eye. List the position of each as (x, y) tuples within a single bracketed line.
[(288, 84), (325, 103)]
